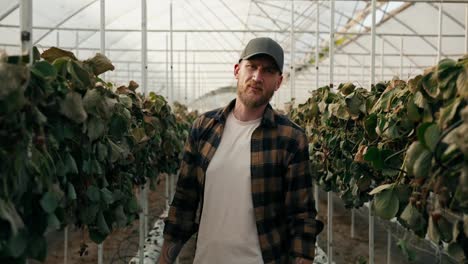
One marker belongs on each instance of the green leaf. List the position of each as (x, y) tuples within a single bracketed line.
[(37, 248), (380, 188), (462, 83), (125, 100), (431, 136), (70, 164), (132, 205), (445, 229), (115, 151), (339, 111), (373, 155), (102, 224), (422, 165), (430, 85), (17, 244), (448, 112), (72, 107), (100, 64), (412, 217), (96, 236), (413, 111), (88, 213), (101, 151), (107, 196), (44, 70), (421, 131), (455, 250), (386, 204), (370, 124), (354, 103), (49, 202), (8, 212), (93, 193), (419, 100), (98, 104), (96, 128), (53, 221), (120, 217), (71, 191), (139, 135), (118, 126), (80, 76)]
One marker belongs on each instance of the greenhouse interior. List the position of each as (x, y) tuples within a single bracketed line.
[(99, 98)]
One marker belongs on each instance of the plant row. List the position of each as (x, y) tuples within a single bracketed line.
[(402, 145), (73, 147)]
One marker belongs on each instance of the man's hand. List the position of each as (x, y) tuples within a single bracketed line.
[(303, 261), (169, 252)]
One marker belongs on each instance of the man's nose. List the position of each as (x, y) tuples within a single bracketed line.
[(257, 76)]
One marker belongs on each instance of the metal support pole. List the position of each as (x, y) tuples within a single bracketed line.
[(199, 82), (466, 28), (171, 99), (65, 245), (363, 71), (371, 235), (382, 61), (103, 27), (167, 67), (77, 43), (353, 216), (317, 43), (347, 68), (26, 28), (179, 79), (401, 58), (186, 76), (144, 47), (141, 241), (128, 71), (389, 246), (194, 94), (330, 227), (167, 190), (58, 38), (101, 253), (439, 39), (373, 37), (292, 66), (332, 40)]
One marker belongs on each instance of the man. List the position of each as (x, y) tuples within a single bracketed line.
[(244, 181)]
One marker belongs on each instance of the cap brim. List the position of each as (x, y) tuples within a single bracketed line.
[(262, 53)]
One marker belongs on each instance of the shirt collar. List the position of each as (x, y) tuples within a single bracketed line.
[(268, 118)]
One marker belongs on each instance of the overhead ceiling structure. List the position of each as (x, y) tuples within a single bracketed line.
[(192, 45)]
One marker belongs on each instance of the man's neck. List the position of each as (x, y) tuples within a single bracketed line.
[(244, 113)]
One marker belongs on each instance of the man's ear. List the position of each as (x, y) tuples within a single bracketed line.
[(280, 80), (236, 69)]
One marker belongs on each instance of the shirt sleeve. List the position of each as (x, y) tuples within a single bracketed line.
[(300, 205), (180, 224)]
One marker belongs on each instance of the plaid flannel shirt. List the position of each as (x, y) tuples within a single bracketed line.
[(280, 180)]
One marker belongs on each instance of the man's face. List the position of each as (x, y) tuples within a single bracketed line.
[(257, 80)]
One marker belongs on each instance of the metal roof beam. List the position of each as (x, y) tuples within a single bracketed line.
[(9, 11), (65, 20), (267, 15), (238, 31)]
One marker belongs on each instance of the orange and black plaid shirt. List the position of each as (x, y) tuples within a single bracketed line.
[(280, 180)]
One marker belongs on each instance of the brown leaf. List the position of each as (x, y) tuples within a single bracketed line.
[(54, 53)]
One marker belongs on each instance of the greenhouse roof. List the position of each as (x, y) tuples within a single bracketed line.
[(209, 35)]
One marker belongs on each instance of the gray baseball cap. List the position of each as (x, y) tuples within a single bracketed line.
[(266, 46)]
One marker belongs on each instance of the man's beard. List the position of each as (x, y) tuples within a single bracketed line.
[(253, 102)]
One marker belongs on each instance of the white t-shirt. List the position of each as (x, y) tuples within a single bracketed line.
[(227, 232)]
